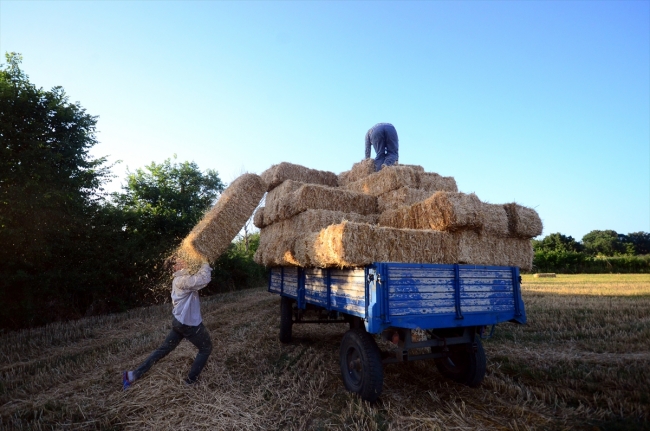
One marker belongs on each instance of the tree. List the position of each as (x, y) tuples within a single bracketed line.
[(50, 194), (557, 242), (638, 242), (603, 242), (158, 206)]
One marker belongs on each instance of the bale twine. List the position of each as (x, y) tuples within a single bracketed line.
[(523, 222), (350, 244), (477, 249), (388, 179), (358, 172), (432, 182), (214, 233), (277, 174), (403, 196), (448, 211)]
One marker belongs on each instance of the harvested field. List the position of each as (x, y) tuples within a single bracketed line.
[(579, 364), (277, 174)]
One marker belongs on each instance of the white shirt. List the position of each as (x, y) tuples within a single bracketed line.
[(185, 294)]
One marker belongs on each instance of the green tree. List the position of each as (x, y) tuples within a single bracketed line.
[(639, 242), (557, 242), (50, 196), (158, 206), (603, 242)]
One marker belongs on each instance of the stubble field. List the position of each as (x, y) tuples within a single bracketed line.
[(581, 362)]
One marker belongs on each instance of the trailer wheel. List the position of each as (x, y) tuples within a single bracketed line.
[(361, 366), (464, 365), (286, 319)]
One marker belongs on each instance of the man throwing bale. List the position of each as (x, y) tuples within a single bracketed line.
[(187, 322), (383, 138)]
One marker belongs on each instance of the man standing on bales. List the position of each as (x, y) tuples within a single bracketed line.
[(383, 138), (187, 322)]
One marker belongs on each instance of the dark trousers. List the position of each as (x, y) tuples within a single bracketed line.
[(386, 144), (197, 335)]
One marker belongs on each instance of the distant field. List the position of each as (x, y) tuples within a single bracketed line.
[(582, 362)]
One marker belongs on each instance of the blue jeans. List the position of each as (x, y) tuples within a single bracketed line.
[(197, 335), (386, 144)]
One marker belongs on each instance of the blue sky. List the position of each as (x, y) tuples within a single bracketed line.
[(546, 103)]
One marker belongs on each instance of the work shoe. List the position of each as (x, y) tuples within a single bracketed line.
[(126, 383)]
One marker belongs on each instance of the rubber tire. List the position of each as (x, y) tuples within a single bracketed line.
[(361, 367), (286, 319), (464, 366)]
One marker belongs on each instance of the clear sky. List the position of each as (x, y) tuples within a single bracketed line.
[(546, 103)]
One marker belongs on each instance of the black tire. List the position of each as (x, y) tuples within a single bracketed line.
[(361, 366), (464, 365), (286, 319)]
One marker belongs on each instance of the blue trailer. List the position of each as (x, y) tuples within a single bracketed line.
[(452, 304)]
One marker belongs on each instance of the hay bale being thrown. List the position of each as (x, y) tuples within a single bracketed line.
[(477, 249), (350, 244), (312, 196), (523, 222), (277, 240), (433, 182), (277, 174), (358, 172), (214, 233), (388, 179)]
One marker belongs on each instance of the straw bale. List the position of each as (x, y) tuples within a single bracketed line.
[(403, 196), (544, 275), (350, 244), (417, 168), (277, 240), (214, 233), (312, 196), (358, 172), (400, 218), (277, 174), (433, 182), (477, 249), (388, 179), (448, 211), (523, 222), (258, 218), (277, 199), (495, 220)]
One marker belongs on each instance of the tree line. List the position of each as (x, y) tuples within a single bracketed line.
[(600, 251), (70, 249)]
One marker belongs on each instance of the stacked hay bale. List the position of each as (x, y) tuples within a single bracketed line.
[(399, 214)]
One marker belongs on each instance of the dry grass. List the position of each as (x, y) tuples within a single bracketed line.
[(580, 363)]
